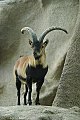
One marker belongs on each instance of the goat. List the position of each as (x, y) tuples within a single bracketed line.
[(29, 69)]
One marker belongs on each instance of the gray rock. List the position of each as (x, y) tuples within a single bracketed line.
[(39, 15), (38, 113)]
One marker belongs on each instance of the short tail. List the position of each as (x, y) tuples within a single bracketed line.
[(16, 73)]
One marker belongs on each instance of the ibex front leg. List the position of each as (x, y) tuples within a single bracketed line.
[(29, 85), (38, 88)]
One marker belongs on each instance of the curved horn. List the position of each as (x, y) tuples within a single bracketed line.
[(49, 30), (30, 31)]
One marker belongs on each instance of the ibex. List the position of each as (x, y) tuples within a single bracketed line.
[(32, 69)]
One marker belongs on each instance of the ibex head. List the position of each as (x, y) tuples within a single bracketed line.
[(38, 45)]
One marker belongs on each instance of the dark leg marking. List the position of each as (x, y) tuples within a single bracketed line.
[(18, 86), (38, 88), (25, 94), (29, 85)]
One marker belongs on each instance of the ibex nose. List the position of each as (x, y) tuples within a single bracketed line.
[(34, 53)]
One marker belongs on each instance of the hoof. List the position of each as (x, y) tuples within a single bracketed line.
[(30, 102), (18, 103), (25, 104), (37, 103)]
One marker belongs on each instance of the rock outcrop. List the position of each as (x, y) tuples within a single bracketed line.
[(39, 15)]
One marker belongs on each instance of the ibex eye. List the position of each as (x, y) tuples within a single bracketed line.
[(42, 46)]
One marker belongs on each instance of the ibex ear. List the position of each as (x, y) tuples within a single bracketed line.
[(46, 42), (30, 42)]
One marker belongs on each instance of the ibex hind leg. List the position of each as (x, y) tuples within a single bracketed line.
[(18, 86), (25, 94)]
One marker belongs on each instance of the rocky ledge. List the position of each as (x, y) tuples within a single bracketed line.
[(39, 113)]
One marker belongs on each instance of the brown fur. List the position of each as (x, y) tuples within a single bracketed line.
[(22, 63)]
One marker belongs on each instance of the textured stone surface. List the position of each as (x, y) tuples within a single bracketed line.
[(68, 93), (39, 113), (39, 15)]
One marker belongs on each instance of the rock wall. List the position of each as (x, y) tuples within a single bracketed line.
[(39, 15), (68, 93)]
